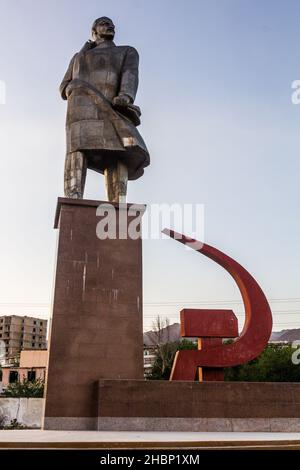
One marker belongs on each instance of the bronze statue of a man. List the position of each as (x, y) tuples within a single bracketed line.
[(100, 85)]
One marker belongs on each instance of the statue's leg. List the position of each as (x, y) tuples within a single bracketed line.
[(75, 175), (116, 177)]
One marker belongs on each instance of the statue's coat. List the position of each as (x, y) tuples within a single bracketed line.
[(94, 77)]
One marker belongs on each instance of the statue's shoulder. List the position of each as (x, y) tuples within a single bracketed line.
[(128, 49)]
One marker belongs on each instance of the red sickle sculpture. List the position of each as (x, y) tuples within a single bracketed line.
[(258, 319)]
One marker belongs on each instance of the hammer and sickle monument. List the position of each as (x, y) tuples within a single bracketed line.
[(95, 377)]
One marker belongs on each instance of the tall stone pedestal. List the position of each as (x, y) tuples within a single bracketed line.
[(97, 312)]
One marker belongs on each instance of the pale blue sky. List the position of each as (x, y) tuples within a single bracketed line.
[(215, 92)]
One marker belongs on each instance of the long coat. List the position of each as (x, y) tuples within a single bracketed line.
[(93, 126)]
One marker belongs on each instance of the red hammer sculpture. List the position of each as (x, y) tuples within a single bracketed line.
[(209, 326)]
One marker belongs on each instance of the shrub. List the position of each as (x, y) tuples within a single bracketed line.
[(25, 389), (14, 424)]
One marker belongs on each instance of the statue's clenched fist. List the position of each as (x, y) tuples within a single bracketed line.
[(122, 100)]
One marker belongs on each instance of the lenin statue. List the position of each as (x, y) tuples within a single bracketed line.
[(100, 86)]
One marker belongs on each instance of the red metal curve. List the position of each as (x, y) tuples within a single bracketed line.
[(258, 317)]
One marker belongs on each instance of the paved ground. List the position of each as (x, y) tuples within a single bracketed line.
[(110, 440)]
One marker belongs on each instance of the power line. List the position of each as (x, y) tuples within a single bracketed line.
[(210, 302), (159, 303), (238, 314)]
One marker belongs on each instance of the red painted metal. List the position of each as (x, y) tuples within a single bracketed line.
[(258, 319), (208, 374), (209, 326), (202, 323)]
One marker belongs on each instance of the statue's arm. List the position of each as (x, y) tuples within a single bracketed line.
[(130, 74), (67, 78)]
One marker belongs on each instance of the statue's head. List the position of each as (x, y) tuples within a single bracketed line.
[(103, 28)]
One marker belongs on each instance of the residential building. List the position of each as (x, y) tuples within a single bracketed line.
[(149, 359), (32, 366), (20, 333)]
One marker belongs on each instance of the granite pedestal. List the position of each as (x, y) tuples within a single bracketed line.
[(96, 327)]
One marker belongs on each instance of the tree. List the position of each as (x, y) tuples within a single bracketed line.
[(160, 336), (273, 365), (165, 357), (25, 389)]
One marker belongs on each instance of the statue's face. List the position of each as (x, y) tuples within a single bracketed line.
[(104, 29)]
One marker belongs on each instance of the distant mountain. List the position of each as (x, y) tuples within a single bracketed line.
[(286, 335), (276, 335), (172, 333), (168, 334)]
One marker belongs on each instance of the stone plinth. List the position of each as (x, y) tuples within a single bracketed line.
[(97, 312), (139, 405)]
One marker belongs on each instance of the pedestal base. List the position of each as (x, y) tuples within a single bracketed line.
[(137, 405)]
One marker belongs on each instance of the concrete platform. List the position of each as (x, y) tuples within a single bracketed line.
[(36, 439)]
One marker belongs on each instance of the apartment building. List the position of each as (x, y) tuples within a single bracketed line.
[(20, 333)]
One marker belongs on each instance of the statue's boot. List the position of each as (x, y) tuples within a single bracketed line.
[(116, 177), (75, 175)]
